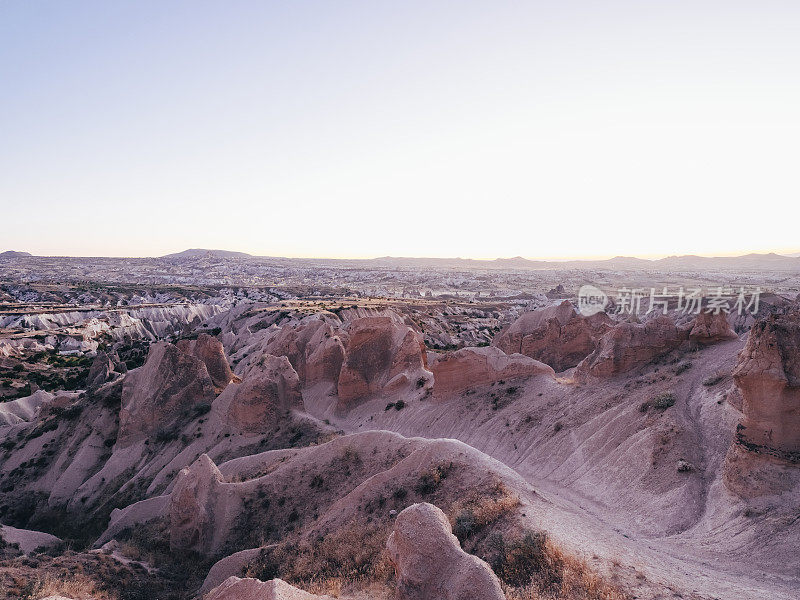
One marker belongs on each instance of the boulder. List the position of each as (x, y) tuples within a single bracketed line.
[(468, 367), (429, 562), (628, 346), (158, 394), (556, 335), (262, 399), (710, 328), (768, 376), (383, 355), (193, 505), (235, 588), (209, 349)]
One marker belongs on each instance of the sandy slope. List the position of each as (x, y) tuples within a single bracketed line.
[(608, 471)]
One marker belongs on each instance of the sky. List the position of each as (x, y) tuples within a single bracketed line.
[(362, 129)]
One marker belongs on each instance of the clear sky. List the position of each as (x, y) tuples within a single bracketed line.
[(358, 129)]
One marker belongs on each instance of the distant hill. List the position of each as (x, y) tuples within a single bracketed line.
[(204, 253), (748, 262), (14, 254)]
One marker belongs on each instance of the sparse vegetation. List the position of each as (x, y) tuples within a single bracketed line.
[(664, 400), (430, 479), (682, 368), (714, 379), (661, 401)]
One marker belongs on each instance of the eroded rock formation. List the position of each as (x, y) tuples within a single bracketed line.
[(556, 335), (710, 328), (628, 346), (235, 588), (193, 506), (313, 347), (382, 355), (430, 563), (768, 375), (209, 350), (158, 394), (468, 367), (105, 366), (263, 398)]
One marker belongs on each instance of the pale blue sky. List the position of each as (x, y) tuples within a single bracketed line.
[(483, 129)]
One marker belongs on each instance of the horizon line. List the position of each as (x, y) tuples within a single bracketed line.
[(644, 257)]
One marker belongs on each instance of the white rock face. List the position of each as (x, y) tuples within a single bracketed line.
[(23, 409), (235, 588), (27, 539)]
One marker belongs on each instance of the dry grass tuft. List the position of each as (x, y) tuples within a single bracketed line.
[(350, 557), (78, 587), (552, 573)]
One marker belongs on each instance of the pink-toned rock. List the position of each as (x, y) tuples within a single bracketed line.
[(193, 504), (768, 376), (430, 563), (263, 398), (383, 355), (628, 346), (209, 349), (235, 588), (710, 328), (556, 335), (313, 347), (100, 371), (468, 367), (158, 394)]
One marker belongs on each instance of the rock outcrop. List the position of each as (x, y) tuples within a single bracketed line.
[(25, 409), (710, 328), (209, 349), (430, 563), (158, 394), (628, 346), (27, 539), (468, 367), (768, 375), (556, 335), (313, 347), (263, 398), (193, 506), (235, 588), (101, 370), (384, 355)]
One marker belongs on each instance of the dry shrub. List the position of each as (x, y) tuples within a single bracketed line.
[(430, 479), (534, 568), (78, 586), (481, 508), (325, 564)]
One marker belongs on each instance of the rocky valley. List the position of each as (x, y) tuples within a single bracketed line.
[(227, 442)]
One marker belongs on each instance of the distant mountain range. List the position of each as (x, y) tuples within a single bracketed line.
[(687, 262), (749, 262)]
